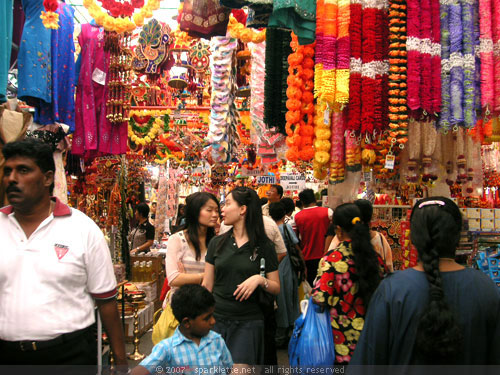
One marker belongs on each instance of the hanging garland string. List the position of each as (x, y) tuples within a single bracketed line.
[(486, 54), (444, 118), (246, 35), (398, 108), (322, 133), (337, 154), (50, 18), (355, 79), (120, 24), (300, 115)]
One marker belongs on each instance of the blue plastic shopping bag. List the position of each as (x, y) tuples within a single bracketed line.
[(312, 339)]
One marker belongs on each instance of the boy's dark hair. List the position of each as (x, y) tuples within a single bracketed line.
[(307, 197), (277, 211), (35, 149), (191, 301), (279, 189), (143, 209), (289, 205)]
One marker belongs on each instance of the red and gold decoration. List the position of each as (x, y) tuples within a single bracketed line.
[(152, 48), (50, 18)]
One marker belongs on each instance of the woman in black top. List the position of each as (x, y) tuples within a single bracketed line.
[(143, 235), (232, 272)]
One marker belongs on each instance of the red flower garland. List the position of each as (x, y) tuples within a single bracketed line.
[(119, 9)]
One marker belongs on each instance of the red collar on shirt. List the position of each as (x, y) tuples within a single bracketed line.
[(60, 208)]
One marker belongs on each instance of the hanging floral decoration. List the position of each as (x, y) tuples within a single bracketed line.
[(460, 89), (337, 151), (121, 24), (277, 63), (332, 51), (322, 133), (143, 135), (487, 63), (398, 108), (121, 9), (424, 56), (246, 35), (300, 103), (355, 79), (50, 18)]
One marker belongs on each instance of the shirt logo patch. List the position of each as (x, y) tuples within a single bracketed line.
[(61, 250)]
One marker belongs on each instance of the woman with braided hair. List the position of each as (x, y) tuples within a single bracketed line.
[(347, 277), (437, 312)]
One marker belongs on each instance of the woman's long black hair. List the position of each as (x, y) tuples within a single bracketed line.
[(194, 203), (365, 258), (254, 223), (436, 223)]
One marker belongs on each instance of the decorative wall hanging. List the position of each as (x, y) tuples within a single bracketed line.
[(332, 51), (152, 48), (424, 56)]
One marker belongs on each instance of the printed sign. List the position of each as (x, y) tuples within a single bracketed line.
[(265, 180), (293, 181), (389, 161)]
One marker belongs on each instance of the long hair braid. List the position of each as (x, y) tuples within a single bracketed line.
[(435, 232)]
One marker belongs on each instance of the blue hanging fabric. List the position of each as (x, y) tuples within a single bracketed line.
[(312, 344)]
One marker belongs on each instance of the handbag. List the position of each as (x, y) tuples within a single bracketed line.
[(166, 325)]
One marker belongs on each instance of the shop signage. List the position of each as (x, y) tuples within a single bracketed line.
[(293, 181), (264, 180)]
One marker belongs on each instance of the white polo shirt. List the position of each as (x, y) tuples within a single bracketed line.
[(48, 281)]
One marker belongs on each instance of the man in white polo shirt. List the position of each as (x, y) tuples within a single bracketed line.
[(54, 264)]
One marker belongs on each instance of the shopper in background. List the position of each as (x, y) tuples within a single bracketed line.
[(347, 277), (180, 220), (274, 194), (55, 266), (232, 273), (378, 240), (143, 235), (288, 298), (312, 223), (437, 312), (289, 210), (186, 249)]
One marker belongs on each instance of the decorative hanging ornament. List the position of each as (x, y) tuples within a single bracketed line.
[(152, 47), (199, 55), (121, 24), (50, 18)]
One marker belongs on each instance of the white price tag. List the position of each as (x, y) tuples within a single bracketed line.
[(326, 118), (367, 176), (389, 161), (99, 76)]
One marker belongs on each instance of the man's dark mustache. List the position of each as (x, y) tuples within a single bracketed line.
[(12, 189)]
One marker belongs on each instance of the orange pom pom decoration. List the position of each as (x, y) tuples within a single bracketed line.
[(308, 108), (307, 97), (292, 154), (293, 104), (306, 141), (308, 63), (307, 153), (306, 130), (293, 92), (309, 85), (308, 51), (307, 74), (292, 117)]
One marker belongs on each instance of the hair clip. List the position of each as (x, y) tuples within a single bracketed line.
[(355, 220), (431, 203)]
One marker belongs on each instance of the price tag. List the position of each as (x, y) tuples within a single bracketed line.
[(389, 161), (98, 76), (367, 176), (326, 117)]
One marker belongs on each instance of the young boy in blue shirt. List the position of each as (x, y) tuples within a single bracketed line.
[(194, 347)]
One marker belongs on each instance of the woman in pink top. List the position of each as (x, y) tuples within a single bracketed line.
[(186, 249)]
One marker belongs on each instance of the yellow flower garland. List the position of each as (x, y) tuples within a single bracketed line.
[(153, 132), (246, 35), (120, 24), (150, 112), (50, 20)]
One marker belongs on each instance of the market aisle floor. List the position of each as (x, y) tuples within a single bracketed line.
[(146, 345)]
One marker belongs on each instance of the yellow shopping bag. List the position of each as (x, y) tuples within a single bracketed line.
[(166, 325)]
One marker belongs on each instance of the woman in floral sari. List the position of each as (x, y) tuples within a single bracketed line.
[(347, 277)]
